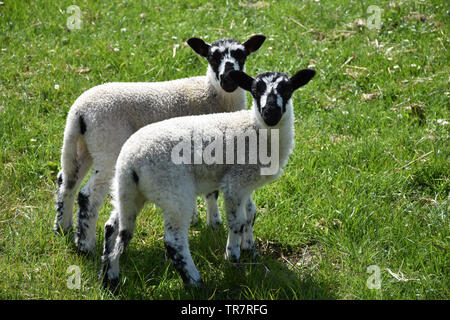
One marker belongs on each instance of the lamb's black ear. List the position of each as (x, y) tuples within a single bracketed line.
[(254, 43), (301, 78), (242, 79), (199, 46)]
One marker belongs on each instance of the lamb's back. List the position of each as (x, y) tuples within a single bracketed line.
[(141, 103), (157, 140)]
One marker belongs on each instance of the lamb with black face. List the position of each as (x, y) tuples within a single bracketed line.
[(226, 55), (272, 91)]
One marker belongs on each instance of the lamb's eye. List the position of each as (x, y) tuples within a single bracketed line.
[(260, 87), (216, 55), (284, 90), (238, 55)]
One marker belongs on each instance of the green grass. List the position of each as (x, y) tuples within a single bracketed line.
[(367, 184)]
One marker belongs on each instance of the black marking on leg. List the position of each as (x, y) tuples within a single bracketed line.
[(125, 237), (178, 261), (109, 231), (83, 204), (59, 216), (135, 177), (59, 208), (59, 180), (82, 125), (81, 232), (236, 230), (85, 225), (214, 193)]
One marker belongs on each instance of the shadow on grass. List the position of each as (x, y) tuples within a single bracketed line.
[(146, 273)]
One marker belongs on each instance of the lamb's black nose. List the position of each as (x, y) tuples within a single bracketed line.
[(271, 115), (228, 67), (226, 82)]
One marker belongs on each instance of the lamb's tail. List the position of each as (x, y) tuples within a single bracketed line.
[(75, 161), (75, 129)]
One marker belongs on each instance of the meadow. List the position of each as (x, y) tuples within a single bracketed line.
[(362, 211)]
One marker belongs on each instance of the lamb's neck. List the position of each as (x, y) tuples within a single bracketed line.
[(232, 101), (287, 134), (236, 100), (285, 130)]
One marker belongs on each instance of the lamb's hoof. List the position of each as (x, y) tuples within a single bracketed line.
[(84, 250), (195, 283), (194, 220), (112, 285), (216, 224), (232, 258)]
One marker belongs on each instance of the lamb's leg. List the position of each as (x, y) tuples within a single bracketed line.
[(236, 216), (194, 219), (110, 269), (90, 199), (112, 228), (213, 214), (247, 237), (110, 233), (123, 218), (68, 181), (177, 246)]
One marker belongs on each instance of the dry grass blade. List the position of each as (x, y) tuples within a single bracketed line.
[(370, 96), (399, 276)]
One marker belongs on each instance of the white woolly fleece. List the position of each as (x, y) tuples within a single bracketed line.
[(148, 153)]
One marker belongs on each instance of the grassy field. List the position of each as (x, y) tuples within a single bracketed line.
[(364, 199)]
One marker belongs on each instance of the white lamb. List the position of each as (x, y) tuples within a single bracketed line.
[(104, 117), (149, 169)]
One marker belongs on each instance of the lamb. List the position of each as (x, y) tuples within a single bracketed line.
[(150, 168), (104, 117)]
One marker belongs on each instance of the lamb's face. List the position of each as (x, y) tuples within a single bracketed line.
[(226, 55), (272, 91)]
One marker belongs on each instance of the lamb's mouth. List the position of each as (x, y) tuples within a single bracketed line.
[(271, 116), (227, 84)]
